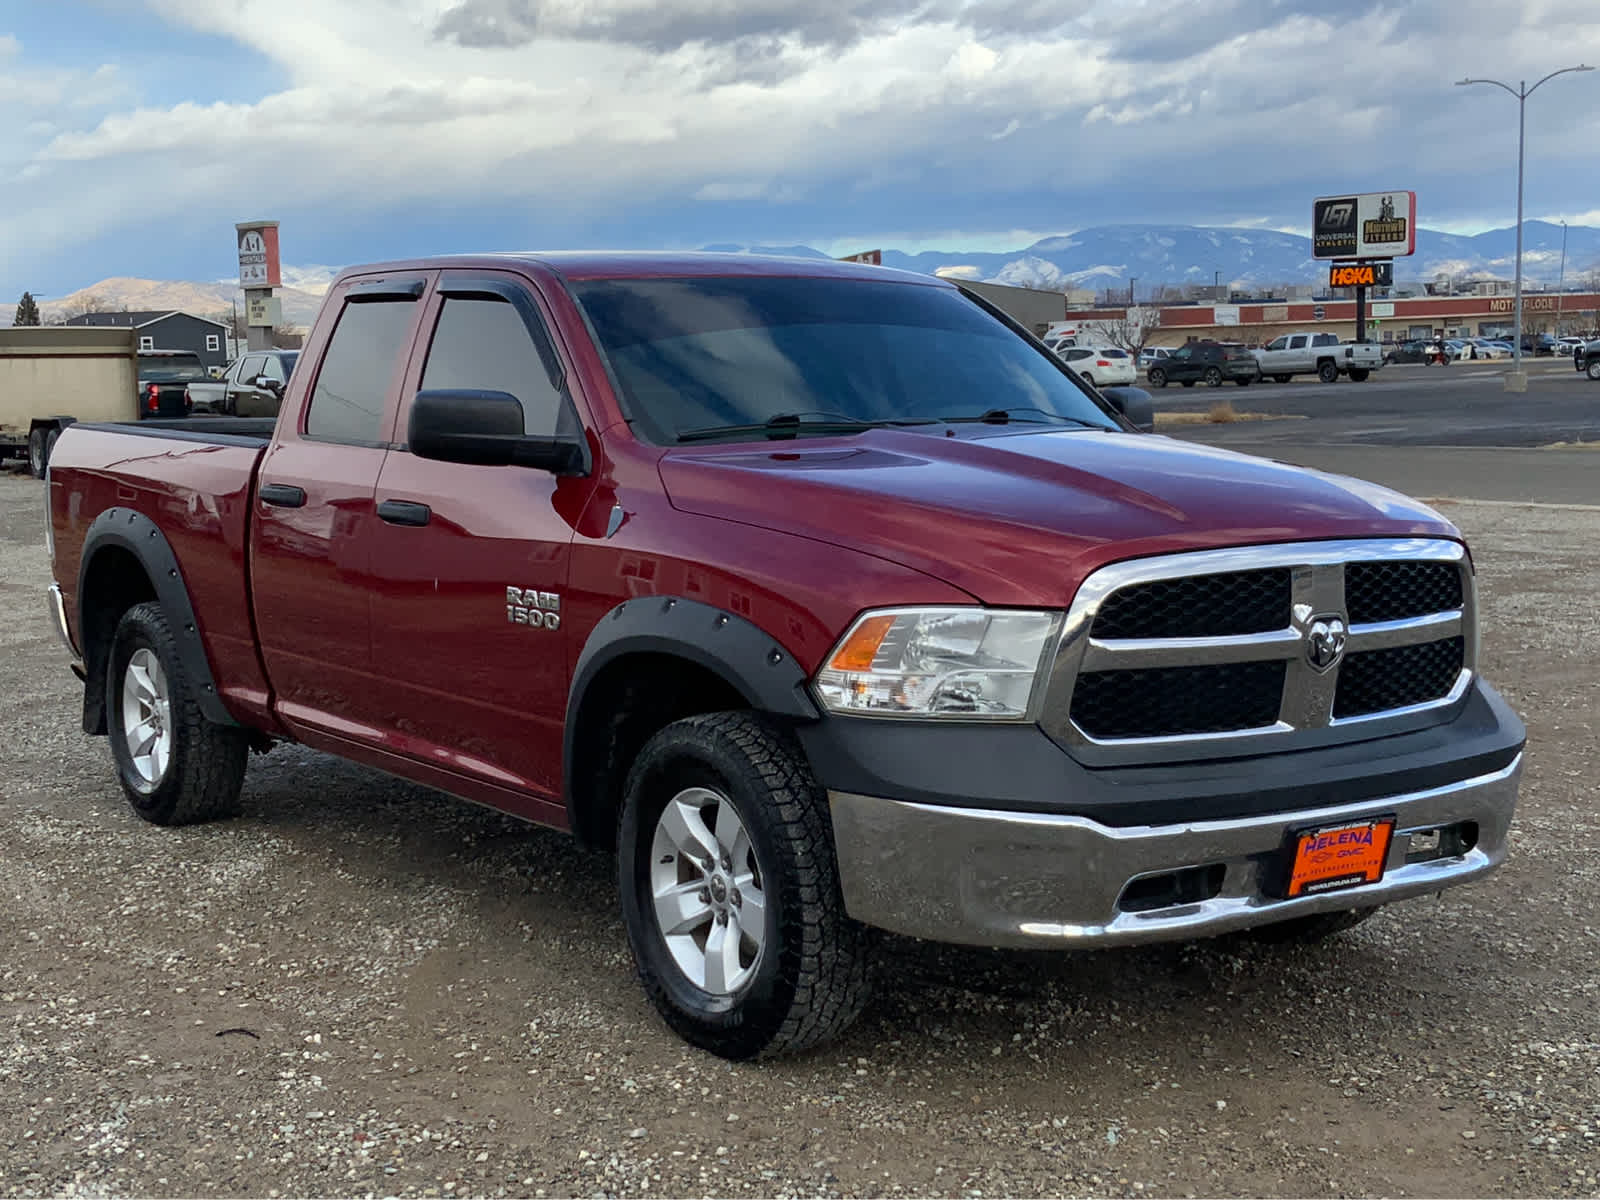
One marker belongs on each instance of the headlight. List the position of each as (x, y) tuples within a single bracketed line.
[(972, 663)]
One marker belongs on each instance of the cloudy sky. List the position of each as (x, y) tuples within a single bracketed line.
[(136, 132)]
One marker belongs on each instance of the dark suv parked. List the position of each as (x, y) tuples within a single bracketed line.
[(1209, 362), (1414, 350)]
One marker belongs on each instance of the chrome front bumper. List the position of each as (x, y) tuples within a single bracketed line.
[(1010, 879)]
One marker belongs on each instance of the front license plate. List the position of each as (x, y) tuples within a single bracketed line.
[(1334, 857)]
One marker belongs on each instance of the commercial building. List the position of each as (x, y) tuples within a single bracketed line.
[(1387, 320)]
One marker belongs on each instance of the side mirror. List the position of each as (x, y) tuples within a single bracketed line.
[(1135, 404), (484, 428), (267, 384)]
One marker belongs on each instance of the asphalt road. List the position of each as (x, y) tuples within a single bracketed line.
[(1461, 405)]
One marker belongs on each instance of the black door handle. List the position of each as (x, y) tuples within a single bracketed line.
[(283, 495), (404, 512)]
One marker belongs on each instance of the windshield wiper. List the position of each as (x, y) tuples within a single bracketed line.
[(789, 424), (1040, 416)]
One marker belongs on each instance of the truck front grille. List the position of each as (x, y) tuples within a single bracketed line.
[(1379, 680), (1168, 701), (1231, 602), (1392, 591), (1270, 644)]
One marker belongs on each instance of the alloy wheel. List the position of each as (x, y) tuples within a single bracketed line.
[(707, 891)]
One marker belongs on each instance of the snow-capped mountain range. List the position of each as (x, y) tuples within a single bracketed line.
[(1091, 259), (1174, 255)]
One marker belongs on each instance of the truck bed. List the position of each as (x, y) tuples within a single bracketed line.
[(216, 431), (193, 478)]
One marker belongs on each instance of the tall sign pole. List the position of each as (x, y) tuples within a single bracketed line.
[(1372, 229), (260, 271)]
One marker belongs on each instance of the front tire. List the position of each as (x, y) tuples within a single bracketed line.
[(1157, 377), (1593, 369), (730, 890), (176, 767), (1282, 378)]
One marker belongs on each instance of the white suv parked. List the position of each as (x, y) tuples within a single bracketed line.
[(1100, 367)]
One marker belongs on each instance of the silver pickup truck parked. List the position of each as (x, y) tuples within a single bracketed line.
[(1319, 354)]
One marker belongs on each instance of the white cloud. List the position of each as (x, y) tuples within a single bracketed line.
[(945, 110)]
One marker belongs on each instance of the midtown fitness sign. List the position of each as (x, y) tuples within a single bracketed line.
[(1373, 225)]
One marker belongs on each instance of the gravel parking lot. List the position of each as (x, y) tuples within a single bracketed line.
[(363, 987)]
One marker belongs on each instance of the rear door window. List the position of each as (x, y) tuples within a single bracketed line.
[(361, 362)]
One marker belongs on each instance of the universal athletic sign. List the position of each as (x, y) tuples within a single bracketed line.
[(1367, 225)]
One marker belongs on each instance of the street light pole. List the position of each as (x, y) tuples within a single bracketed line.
[(1561, 284), (1518, 381)]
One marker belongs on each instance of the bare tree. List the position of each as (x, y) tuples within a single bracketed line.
[(88, 302), (1129, 331)]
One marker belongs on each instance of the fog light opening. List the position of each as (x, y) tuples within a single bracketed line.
[(1447, 841), (1172, 888)]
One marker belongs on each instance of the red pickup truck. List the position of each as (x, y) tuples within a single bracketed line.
[(823, 595)]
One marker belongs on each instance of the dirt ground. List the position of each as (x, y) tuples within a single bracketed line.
[(363, 987)]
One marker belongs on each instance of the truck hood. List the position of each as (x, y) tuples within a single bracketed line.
[(1022, 517)]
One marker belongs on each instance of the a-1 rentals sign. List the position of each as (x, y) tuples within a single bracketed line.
[(1373, 225)]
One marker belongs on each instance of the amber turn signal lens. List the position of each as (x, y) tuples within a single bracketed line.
[(862, 646)]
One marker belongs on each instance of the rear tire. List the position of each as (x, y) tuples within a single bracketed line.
[(38, 454), (1328, 373), (1310, 929), (734, 774), (176, 767), (1157, 377), (1089, 379)]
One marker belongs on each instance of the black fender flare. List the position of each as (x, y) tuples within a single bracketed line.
[(749, 659), (130, 530)]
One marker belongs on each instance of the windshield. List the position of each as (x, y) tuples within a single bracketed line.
[(693, 354), (155, 370)]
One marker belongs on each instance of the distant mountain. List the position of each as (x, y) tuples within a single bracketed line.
[(1097, 258), (1110, 255), (215, 300)]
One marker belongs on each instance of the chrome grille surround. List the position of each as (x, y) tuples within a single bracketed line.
[(1305, 710)]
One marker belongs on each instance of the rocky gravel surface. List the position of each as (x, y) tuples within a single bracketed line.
[(361, 987)]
